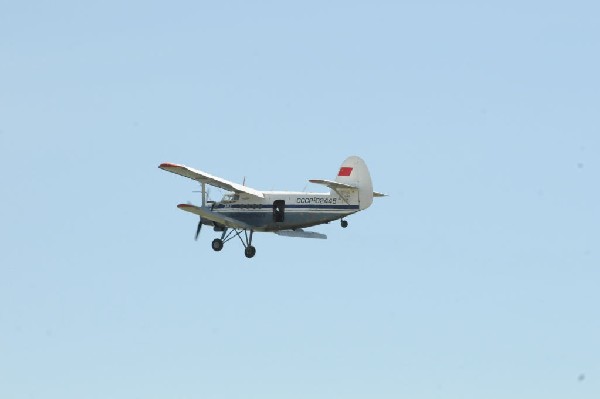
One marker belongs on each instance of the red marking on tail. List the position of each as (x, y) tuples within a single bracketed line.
[(345, 171)]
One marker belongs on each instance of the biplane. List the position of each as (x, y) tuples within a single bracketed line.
[(242, 210)]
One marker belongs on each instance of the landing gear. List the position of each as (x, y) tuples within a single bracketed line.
[(228, 234), (344, 223), (217, 244), (250, 251)]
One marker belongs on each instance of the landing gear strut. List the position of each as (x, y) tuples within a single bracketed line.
[(228, 234), (344, 223)]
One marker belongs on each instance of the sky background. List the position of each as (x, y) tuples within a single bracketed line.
[(476, 278)]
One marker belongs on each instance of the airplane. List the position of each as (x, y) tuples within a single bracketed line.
[(244, 210)]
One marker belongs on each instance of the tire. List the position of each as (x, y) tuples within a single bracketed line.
[(217, 244), (250, 251), (344, 223)]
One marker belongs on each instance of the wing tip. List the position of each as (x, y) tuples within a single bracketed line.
[(168, 165)]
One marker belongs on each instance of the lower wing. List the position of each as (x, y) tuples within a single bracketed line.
[(215, 217)]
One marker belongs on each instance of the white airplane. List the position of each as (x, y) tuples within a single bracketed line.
[(244, 209)]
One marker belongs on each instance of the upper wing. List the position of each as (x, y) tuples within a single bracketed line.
[(214, 216), (300, 233), (204, 177)]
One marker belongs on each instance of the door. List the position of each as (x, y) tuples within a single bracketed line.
[(278, 211)]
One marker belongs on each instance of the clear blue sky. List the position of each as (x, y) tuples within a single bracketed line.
[(476, 278)]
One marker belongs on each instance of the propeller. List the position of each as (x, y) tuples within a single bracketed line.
[(198, 229)]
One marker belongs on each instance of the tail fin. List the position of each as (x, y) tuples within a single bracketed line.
[(354, 172)]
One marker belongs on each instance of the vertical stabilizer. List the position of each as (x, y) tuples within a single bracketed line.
[(354, 171)]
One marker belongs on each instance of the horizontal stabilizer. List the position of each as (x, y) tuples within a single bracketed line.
[(204, 177), (300, 233), (336, 186), (214, 216), (332, 184)]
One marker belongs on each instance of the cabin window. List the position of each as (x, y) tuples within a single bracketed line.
[(278, 211), (228, 198)]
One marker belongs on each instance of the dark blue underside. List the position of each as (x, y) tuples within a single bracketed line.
[(264, 220), (289, 206)]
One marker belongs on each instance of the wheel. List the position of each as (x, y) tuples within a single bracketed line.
[(250, 251), (217, 244), (344, 223)]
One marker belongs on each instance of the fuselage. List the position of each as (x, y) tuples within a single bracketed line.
[(283, 210)]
